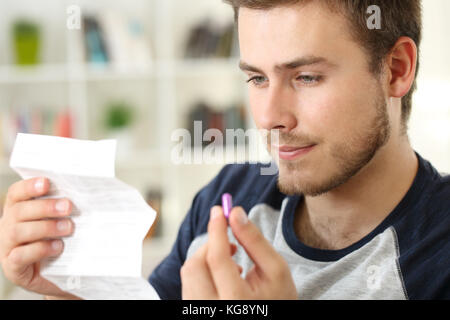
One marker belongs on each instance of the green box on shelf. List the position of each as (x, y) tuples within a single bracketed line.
[(27, 42)]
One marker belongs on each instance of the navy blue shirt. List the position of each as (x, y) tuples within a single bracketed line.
[(407, 256)]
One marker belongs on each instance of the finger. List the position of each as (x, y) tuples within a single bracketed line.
[(41, 208), (27, 189), (222, 267), (23, 256), (196, 280), (31, 231), (260, 251)]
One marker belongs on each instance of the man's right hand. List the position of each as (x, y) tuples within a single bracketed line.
[(27, 236)]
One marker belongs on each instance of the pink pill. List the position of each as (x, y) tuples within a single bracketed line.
[(227, 204)]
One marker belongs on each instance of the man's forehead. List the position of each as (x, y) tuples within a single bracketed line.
[(311, 9), (289, 37), (301, 19)]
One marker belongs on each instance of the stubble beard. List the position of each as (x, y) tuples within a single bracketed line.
[(349, 156)]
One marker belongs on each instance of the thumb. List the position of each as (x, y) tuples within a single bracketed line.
[(253, 241)]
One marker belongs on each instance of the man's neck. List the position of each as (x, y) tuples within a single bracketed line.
[(346, 214)]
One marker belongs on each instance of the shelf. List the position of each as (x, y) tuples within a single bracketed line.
[(57, 73), (11, 74), (207, 67), (152, 158), (33, 74), (242, 154), (139, 159), (108, 73)]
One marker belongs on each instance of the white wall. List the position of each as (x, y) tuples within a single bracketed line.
[(430, 119)]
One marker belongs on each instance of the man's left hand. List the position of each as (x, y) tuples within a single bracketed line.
[(211, 273)]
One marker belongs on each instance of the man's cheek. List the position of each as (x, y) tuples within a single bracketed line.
[(333, 115), (319, 119)]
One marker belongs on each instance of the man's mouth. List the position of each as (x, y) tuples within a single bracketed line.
[(286, 152)]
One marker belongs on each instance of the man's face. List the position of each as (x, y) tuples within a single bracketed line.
[(311, 82)]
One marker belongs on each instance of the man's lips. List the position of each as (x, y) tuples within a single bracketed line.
[(291, 152)]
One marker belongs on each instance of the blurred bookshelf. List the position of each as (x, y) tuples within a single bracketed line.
[(182, 55)]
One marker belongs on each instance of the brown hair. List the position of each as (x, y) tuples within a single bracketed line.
[(398, 18)]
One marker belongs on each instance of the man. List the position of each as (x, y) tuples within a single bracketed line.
[(354, 212), (365, 217)]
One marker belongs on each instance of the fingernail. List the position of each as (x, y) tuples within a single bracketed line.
[(39, 185), (62, 225), (61, 205), (56, 245), (241, 217), (215, 213)]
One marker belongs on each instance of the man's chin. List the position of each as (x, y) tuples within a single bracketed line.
[(295, 188), (293, 182), (311, 184)]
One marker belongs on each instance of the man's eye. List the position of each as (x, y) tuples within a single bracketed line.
[(307, 79), (257, 80)]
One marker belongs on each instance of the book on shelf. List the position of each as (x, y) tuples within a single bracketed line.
[(95, 47), (32, 120), (112, 38), (208, 40), (233, 118)]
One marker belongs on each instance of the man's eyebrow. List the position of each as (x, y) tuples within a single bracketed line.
[(303, 61), (246, 67)]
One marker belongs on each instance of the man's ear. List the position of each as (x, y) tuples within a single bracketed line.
[(402, 63)]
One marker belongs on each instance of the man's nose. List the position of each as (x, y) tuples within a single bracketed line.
[(278, 109)]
